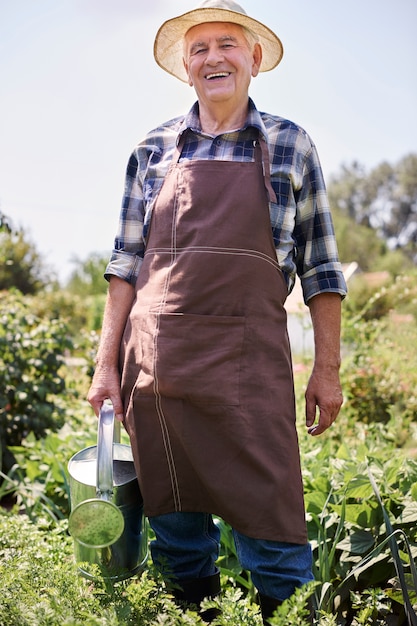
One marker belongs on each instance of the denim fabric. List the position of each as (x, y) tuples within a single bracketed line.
[(187, 546), (277, 568)]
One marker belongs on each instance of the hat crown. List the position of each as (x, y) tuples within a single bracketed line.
[(227, 5)]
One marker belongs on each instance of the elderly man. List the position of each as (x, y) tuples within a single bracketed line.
[(222, 207)]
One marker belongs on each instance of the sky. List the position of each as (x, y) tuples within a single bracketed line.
[(79, 88)]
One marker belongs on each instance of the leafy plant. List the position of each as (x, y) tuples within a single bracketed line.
[(40, 586), (21, 265), (379, 376), (347, 525), (31, 386), (358, 579)]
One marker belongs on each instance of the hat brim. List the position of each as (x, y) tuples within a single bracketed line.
[(168, 46)]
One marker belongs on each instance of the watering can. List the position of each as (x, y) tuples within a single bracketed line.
[(106, 521)]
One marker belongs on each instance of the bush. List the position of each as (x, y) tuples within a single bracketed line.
[(31, 384), (378, 374)]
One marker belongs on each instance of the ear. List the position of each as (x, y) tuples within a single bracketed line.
[(190, 82), (257, 59)]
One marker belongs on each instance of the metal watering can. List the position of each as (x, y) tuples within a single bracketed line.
[(106, 520)]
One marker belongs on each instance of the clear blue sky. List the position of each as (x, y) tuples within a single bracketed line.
[(79, 88)]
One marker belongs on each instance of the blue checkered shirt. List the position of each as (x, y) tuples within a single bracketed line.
[(300, 220)]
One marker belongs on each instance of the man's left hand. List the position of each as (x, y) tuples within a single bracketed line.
[(325, 394)]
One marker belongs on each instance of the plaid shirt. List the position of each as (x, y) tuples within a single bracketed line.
[(301, 222)]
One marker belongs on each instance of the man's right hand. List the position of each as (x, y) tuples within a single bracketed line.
[(106, 386)]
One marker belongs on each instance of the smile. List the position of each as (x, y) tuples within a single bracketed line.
[(217, 75)]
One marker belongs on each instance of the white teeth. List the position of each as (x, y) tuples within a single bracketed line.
[(217, 75)]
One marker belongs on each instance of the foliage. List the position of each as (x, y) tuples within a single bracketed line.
[(31, 384), (39, 581), (87, 278), (346, 523), (367, 301), (21, 265), (81, 314), (384, 200), (379, 377), (351, 535), (40, 586), (230, 568), (39, 479), (360, 243)]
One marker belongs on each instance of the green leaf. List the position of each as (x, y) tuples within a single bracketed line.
[(344, 452), (409, 514), (315, 501), (363, 514), (359, 487), (358, 542)]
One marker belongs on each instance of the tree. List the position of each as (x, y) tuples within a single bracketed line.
[(358, 242), (385, 200), (21, 266), (403, 224), (87, 279)]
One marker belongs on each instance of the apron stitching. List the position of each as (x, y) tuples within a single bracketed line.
[(164, 427), (213, 250), (158, 398), (168, 452)]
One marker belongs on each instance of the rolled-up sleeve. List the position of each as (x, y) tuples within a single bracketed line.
[(128, 250), (317, 258)]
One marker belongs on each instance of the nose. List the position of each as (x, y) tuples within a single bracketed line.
[(214, 55)]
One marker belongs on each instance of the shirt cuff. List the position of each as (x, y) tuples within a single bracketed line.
[(324, 279), (125, 266)]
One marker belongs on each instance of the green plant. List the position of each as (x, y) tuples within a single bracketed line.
[(21, 265), (346, 522), (39, 477), (41, 586), (31, 385), (352, 545), (379, 377), (230, 568), (372, 607)]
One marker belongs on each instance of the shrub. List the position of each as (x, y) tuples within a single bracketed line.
[(378, 374), (31, 383)]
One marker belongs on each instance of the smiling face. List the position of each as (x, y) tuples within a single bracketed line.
[(220, 62)]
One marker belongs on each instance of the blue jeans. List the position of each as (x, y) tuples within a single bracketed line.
[(187, 547)]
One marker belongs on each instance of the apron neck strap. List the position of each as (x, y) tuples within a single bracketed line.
[(267, 170), (265, 162)]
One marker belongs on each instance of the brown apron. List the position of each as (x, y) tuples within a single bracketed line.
[(206, 364)]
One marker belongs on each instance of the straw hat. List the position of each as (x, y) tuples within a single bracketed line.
[(168, 46)]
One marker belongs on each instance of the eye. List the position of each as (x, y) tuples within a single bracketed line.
[(198, 50)]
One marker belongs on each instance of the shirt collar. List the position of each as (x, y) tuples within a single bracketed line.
[(192, 120)]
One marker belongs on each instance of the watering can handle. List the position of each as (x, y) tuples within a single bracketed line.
[(104, 481)]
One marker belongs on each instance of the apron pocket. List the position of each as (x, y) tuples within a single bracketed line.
[(194, 357)]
